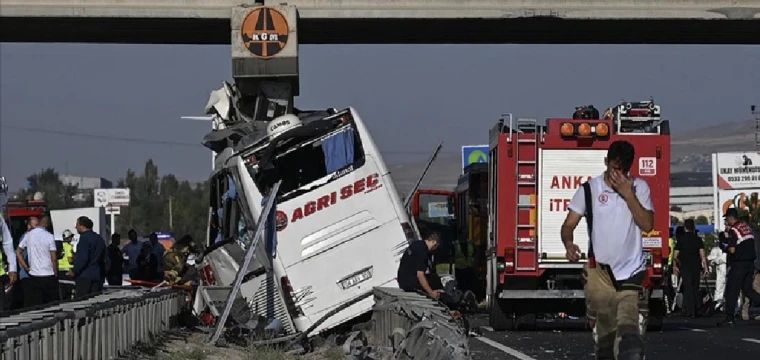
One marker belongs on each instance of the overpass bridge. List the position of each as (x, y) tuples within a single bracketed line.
[(392, 21)]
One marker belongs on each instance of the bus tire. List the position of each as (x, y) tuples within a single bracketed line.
[(497, 318)]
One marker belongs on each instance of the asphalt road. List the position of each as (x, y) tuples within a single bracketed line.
[(680, 338)]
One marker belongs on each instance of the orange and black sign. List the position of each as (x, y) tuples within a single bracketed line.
[(265, 32)]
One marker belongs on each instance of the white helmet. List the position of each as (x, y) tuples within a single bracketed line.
[(282, 124)]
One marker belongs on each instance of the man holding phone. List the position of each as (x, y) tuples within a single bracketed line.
[(620, 208)]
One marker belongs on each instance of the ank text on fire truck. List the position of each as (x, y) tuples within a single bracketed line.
[(569, 182)]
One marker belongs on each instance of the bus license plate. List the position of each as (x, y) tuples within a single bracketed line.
[(355, 279)]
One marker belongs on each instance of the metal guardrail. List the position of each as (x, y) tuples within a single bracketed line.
[(105, 326)]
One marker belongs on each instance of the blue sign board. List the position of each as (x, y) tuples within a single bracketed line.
[(473, 154)]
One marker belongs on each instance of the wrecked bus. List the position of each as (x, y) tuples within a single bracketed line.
[(340, 227)]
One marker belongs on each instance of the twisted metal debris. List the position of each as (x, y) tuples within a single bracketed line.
[(408, 326)]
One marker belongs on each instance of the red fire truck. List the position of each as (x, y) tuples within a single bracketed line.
[(534, 170), (18, 211)]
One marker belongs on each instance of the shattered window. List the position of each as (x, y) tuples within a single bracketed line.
[(226, 221), (306, 164)]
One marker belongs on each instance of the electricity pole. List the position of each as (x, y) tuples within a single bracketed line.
[(170, 214)]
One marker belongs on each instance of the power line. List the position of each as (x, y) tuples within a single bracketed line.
[(98, 136), (173, 143)]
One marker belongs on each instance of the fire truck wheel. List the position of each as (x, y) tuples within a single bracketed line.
[(498, 319), (526, 321)]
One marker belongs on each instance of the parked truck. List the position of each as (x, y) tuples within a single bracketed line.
[(534, 170), (65, 219)]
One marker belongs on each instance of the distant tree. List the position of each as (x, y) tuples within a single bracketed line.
[(150, 196), (57, 195), (675, 221), (709, 241), (701, 220)]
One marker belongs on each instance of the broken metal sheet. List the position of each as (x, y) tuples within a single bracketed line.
[(416, 327)]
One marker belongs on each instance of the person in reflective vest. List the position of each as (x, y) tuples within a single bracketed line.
[(66, 262)]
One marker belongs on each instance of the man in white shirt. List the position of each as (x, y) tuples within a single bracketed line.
[(620, 208), (42, 267)]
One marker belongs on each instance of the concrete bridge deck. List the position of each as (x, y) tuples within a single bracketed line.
[(391, 21)]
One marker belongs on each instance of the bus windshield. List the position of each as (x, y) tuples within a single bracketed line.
[(307, 158)]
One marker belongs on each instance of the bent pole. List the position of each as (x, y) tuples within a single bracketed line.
[(409, 196), (260, 225)]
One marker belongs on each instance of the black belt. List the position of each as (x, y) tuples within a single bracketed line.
[(633, 283)]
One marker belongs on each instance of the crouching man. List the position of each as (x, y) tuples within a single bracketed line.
[(416, 273)]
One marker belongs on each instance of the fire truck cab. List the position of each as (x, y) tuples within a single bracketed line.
[(17, 212), (435, 210), (472, 225), (534, 171)]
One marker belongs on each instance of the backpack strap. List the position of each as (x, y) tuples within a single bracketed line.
[(589, 216)]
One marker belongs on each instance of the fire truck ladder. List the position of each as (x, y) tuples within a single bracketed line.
[(528, 133)]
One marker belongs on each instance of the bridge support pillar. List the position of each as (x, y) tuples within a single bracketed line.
[(265, 59)]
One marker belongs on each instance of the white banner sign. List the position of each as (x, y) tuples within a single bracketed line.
[(112, 197), (738, 170), (733, 199)]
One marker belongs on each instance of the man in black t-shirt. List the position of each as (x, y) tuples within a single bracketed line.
[(416, 272), (690, 263)]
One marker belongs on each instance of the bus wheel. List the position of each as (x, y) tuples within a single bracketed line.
[(497, 318)]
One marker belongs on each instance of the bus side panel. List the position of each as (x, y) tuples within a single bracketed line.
[(322, 291), (338, 231)]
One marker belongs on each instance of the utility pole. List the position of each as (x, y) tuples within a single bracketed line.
[(170, 214)]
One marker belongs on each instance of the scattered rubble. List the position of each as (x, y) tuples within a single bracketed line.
[(405, 326)]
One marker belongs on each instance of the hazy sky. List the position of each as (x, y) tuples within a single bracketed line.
[(96, 110)]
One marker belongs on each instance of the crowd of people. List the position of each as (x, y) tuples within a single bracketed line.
[(42, 269), (736, 262)]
